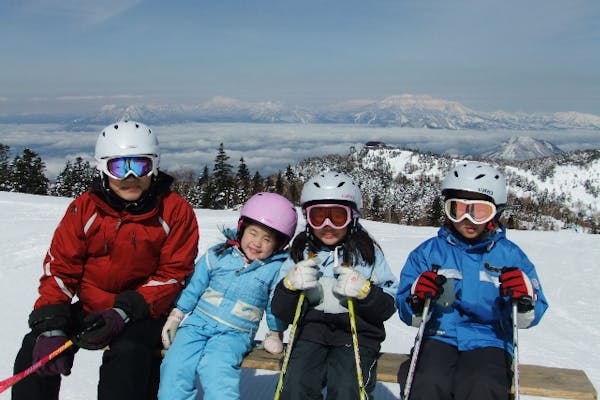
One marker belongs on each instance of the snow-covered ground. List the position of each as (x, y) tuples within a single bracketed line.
[(568, 264)]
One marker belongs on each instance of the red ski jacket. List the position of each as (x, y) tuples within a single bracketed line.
[(97, 252)]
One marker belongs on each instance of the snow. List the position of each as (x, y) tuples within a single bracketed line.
[(567, 263)]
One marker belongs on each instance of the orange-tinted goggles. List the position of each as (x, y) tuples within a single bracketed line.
[(477, 211), (337, 216)]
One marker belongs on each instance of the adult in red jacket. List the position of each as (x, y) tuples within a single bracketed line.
[(117, 262)]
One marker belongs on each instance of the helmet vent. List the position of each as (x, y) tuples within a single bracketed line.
[(137, 125), (116, 126), (456, 174), (479, 176), (341, 184), (317, 184)]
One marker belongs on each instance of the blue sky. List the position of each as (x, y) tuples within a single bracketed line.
[(511, 55)]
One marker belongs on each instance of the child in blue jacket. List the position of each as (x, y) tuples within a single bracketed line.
[(333, 261), (472, 274), (225, 299)]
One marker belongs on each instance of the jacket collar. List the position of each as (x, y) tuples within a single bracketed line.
[(485, 244), (149, 201)]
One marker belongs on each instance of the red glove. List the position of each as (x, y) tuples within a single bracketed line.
[(428, 285), (516, 285)]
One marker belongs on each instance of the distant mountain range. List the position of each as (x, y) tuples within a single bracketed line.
[(402, 111)]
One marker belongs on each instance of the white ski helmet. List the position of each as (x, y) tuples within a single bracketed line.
[(332, 185), (127, 138), (478, 178)]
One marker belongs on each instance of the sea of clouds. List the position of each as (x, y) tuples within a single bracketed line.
[(268, 148)]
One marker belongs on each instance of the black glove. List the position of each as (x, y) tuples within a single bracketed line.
[(50, 317), (133, 304), (102, 327)]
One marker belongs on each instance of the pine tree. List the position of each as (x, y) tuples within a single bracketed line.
[(243, 180), (204, 190), (257, 183), (74, 179), (279, 185), (28, 173), (222, 178), (184, 183), (292, 185), (437, 212), (5, 168)]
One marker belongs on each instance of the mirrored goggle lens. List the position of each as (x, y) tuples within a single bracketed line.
[(122, 166), (478, 211), (339, 216)]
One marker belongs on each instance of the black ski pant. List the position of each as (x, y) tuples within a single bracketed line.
[(313, 366), (129, 370), (445, 373)]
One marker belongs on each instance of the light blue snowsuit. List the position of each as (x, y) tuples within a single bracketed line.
[(226, 298)]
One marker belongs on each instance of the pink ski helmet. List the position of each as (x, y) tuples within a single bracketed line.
[(273, 211)]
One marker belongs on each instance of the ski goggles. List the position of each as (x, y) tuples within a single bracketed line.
[(336, 216), (122, 167), (476, 211)]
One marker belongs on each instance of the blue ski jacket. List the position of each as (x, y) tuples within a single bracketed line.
[(471, 313), (226, 289)]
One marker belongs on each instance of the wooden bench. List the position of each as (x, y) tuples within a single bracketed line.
[(534, 380)]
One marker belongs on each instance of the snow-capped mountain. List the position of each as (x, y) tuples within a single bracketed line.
[(428, 112), (218, 109), (403, 111), (520, 148), (406, 111)]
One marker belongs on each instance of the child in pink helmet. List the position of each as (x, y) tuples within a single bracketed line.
[(224, 301)]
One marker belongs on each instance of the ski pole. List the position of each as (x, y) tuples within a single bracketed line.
[(352, 315), (288, 350), (413, 359), (5, 384), (418, 340), (515, 350)]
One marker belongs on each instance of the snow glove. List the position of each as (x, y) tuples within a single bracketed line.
[(170, 327), (350, 283), (273, 342), (517, 286), (102, 327), (428, 285), (45, 344), (50, 322), (303, 275)]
